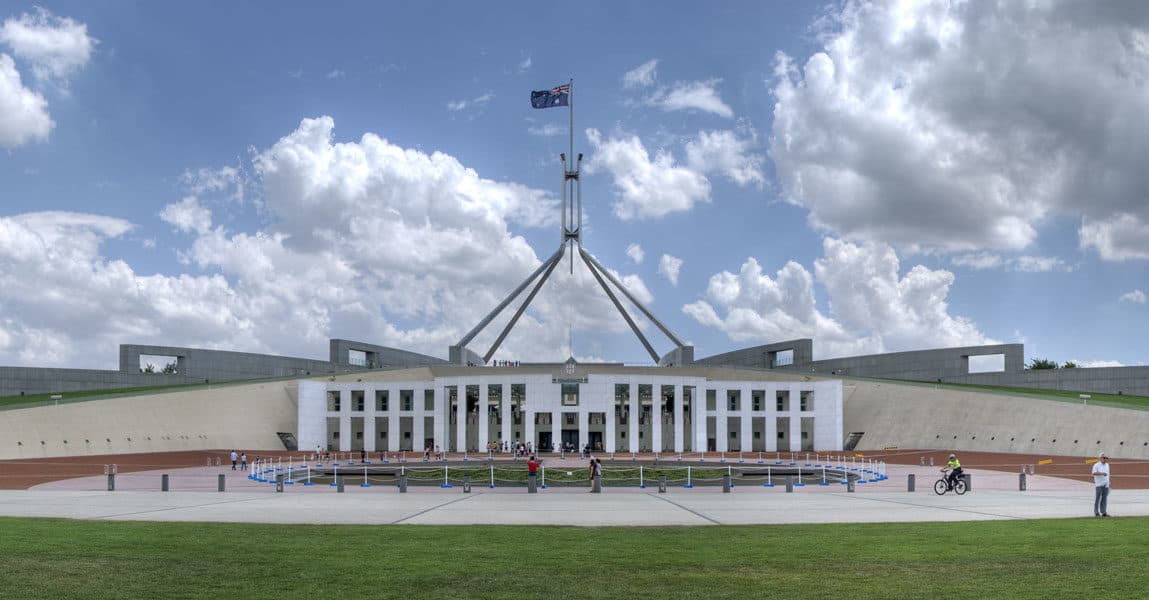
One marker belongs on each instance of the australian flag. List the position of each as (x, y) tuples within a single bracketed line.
[(559, 96)]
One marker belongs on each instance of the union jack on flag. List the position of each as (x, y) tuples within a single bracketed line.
[(558, 96)]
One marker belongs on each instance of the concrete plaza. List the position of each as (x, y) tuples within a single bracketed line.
[(995, 496)]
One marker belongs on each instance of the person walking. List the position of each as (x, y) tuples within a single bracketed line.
[(1101, 486), (243, 461), (234, 459)]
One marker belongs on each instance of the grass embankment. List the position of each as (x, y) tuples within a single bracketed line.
[(46, 558), (1115, 400)]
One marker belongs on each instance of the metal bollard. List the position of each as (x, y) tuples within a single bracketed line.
[(111, 482), (726, 484), (339, 484), (662, 484), (279, 483), (597, 484), (789, 484), (403, 483), (466, 484), (1021, 482), (968, 482), (164, 482), (910, 481), (851, 482), (222, 480)]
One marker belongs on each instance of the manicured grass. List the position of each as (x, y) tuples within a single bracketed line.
[(44, 558)]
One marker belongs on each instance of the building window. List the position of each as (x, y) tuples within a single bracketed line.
[(756, 403), (335, 435), (358, 435), (806, 400), (408, 403), (429, 400), (382, 435), (333, 401), (781, 435), (733, 435), (381, 400), (570, 394), (757, 435), (805, 434)]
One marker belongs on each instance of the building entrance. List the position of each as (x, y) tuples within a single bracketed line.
[(595, 440), (570, 439), (544, 444)]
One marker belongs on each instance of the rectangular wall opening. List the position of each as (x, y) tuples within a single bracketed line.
[(987, 363), (159, 364)]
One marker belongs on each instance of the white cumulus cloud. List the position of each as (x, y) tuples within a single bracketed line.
[(635, 252), (188, 215), (873, 307), (23, 113), (646, 188), (361, 239), (56, 46), (1135, 297), (962, 125), (668, 267), (692, 95), (641, 76)]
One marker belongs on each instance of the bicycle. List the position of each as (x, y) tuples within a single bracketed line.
[(941, 486)]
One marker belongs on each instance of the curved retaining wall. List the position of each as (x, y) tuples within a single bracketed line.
[(243, 416), (909, 416)]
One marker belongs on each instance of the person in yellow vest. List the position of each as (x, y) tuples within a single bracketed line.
[(954, 466)]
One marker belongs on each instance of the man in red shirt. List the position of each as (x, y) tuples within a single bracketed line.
[(533, 465)]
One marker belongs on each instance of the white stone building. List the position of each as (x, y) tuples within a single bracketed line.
[(610, 408)]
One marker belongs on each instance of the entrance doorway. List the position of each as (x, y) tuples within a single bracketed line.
[(595, 440), (544, 444), (570, 439)]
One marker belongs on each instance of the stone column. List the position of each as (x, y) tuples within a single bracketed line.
[(699, 416), (635, 413), (611, 423), (721, 435), (505, 407), (583, 426), (747, 433), (656, 416), (344, 421), (771, 433), (441, 421), (461, 417), (679, 418), (369, 414), (484, 417), (795, 420), (417, 424)]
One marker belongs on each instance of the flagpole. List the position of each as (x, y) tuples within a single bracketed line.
[(571, 111)]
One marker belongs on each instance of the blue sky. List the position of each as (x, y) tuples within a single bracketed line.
[(877, 176)]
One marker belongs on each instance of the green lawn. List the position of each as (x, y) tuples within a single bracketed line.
[(43, 558)]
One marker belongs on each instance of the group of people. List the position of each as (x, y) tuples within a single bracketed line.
[(237, 457)]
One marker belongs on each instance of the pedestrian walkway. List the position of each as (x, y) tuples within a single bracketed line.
[(994, 496)]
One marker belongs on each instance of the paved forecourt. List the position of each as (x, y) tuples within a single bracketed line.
[(995, 496)]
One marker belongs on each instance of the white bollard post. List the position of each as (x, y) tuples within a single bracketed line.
[(335, 474), (446, 482), (769, 478), (308, 473), (492, 484), (689, 483), (641, 483), (824, 482), (799, 482)]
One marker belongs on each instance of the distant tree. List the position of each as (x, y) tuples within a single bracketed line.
[(170, 369), (1069, 365), (1041, 363), (150, 368)]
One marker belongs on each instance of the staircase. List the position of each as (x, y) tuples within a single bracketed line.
[(852, 440), (288, 439)]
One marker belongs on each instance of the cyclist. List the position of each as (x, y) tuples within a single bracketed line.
[(954, 467)]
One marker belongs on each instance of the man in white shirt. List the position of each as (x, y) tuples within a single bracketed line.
[(1101, 485)]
